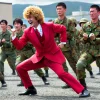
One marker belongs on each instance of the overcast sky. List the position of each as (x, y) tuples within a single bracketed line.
[(45, 2)]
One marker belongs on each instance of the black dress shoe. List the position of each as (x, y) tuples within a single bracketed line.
[(29, 92), (85, 93)]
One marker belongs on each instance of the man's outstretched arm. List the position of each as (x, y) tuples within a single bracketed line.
[(19, 43)]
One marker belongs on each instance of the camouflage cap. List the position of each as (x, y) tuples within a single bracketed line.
[(83, 20)]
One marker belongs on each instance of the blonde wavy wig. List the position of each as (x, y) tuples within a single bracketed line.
[(35, 11)]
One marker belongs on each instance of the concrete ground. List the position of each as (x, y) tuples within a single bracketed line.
[(51, 92)]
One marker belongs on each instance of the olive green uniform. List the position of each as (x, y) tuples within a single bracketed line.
[(7, 52), (91, 51)]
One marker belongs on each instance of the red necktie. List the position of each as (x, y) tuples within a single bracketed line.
[(37, 32)]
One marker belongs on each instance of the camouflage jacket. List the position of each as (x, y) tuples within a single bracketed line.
[(66, 23), (92, 47), (7, 45)]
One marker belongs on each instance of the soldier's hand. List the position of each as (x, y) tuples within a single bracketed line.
[(92, 36), (85, 36), (3, 40), (13, 33), (61, 45)]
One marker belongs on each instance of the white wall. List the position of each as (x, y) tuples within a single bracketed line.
[(6, 12)]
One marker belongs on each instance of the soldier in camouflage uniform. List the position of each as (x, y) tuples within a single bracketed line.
[(27, 51), (81, 23), (61, 10), (74, 38), (7, 51), (91, 38)]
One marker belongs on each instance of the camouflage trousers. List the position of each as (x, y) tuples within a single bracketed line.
[(25, 55), (71, 60), (1, 76), (84, 61), (11, 58), (82, 48)]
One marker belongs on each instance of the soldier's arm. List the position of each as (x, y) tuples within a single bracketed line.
[(7, 43), (81, 36)]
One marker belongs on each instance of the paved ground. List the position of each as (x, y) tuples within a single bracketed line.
[(51, 92)]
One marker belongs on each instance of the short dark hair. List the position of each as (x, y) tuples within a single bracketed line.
[(95, 6), (18, 20), (61, 4), (4, 21), (10, 26)]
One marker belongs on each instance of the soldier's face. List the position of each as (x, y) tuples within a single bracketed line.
[(17, 26), (23, 28), (60, 11), (94, 14), (3, 26), (8, 27)]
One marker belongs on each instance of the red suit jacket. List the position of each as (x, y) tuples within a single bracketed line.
[(49, 50)]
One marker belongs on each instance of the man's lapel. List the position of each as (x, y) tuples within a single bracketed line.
[(35, 38)]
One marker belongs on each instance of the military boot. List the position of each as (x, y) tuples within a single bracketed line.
[(13, 72), (85, 92), (45, 80), (46, 73), (66, 86), (20, 84), (91, 74), (3, 83), (98, 72)]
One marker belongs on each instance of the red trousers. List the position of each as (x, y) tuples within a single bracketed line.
[(27, 65)]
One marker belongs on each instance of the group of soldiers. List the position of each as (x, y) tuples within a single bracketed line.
[(81, 49), (83, 46)]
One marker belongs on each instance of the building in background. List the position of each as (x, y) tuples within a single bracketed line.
[(6, 12)]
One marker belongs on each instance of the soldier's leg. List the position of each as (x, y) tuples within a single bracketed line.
[(89, 69), (98, 64), (84, 60), (71, 60), (3, 57), (2, 78), (46, 69), (11, 61), (40, 73)]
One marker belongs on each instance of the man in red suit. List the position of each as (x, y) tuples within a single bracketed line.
[(41, 35)]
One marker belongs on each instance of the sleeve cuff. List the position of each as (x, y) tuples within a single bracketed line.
[(13, 37), (63, 42)]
